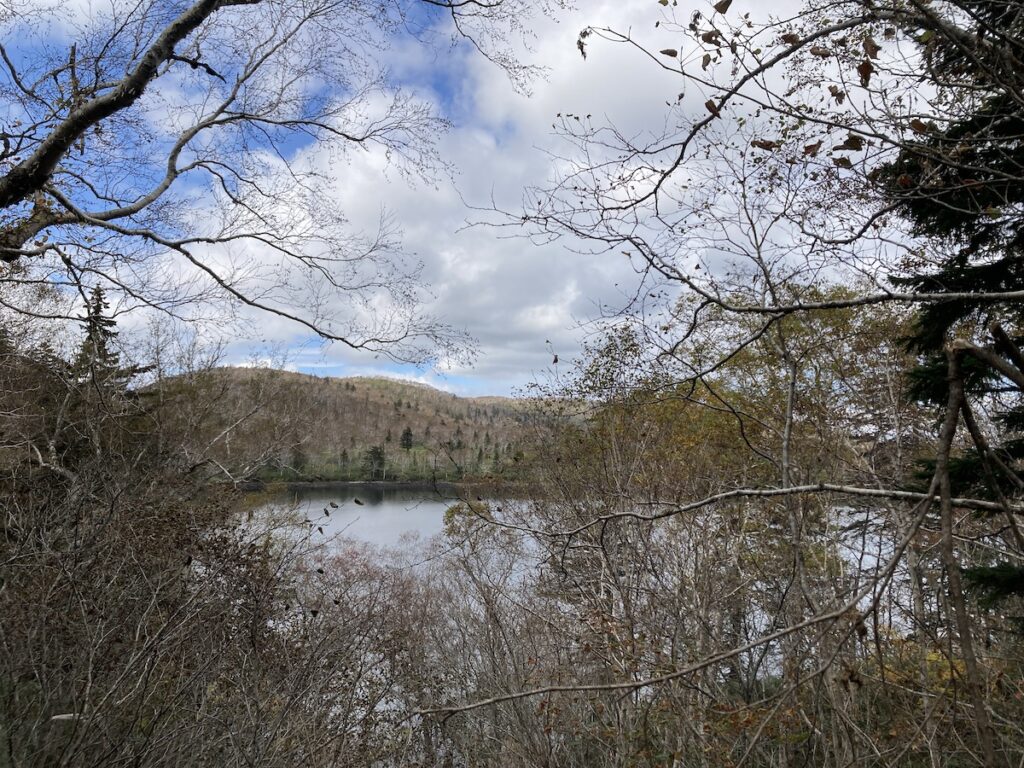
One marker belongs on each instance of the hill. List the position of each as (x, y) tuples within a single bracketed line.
[(279, 425)]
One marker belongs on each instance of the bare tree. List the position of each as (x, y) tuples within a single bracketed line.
[(853, 156), (190, 151), (145, 619)]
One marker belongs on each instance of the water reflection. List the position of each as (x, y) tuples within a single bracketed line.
[(378, 514)]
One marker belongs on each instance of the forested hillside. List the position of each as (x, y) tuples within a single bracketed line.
[(280, 425)]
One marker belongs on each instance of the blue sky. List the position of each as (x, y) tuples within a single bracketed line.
[(520, 301)]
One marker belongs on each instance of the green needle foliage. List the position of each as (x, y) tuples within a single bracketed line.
[(959, 184)]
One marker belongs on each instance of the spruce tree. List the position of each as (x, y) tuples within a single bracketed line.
[(97, 360), (960, 184)]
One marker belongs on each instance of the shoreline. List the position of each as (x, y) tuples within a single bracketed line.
[(260, 486), (440, 488), (384, 485)]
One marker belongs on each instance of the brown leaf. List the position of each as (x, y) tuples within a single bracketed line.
[(670, 52), (791, 38), (765, 144), (838, 93), (711, 37), (918, 126), (853, 143), (819, 50), (871, 48), (711, 107), (905, 181), (864, 69), (812, 149), (706, 61), (842, 162), (722, 5)]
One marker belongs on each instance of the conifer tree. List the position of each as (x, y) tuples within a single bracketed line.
[(96, 359), (961, 185)]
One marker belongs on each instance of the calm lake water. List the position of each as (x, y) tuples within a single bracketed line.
[(379, 514)]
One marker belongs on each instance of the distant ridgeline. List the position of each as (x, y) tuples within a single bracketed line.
[(293, 427)]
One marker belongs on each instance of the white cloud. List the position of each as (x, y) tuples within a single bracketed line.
[(510, 294), (520, 300)]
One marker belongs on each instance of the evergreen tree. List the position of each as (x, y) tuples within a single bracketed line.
[(96, 358), (960, 185), (406, 440), (375, 463)]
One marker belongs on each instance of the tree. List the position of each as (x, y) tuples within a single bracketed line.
[(406, 440), (375, 463), (859, 155), (147, 620), (95, 352), (959, 184), (169, 153)]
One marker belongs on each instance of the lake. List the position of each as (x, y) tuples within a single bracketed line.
[(378, 513)]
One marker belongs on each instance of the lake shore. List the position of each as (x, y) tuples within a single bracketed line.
[(301, 485), (441, 488)]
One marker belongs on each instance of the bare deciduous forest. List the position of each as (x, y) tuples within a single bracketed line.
[(770, 516)]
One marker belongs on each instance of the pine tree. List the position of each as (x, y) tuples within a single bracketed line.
[(406, 440)]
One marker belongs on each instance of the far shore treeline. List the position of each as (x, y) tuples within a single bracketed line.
[(302, 428)]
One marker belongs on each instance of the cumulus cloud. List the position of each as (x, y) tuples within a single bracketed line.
[(519, 300)]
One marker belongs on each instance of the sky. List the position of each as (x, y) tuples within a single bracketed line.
[(521, 302)]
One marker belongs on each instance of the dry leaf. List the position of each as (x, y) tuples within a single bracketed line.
[(864, 69), (853, 143)]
